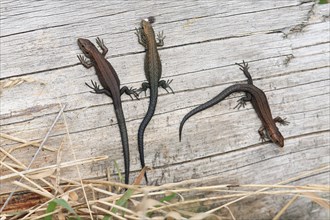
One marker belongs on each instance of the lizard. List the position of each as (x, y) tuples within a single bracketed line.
[(259, 102), (111, 87), (153, 72)]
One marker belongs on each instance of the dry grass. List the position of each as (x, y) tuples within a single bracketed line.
[(105, 199)]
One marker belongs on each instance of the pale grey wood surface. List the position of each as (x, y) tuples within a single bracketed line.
[(285, 42)]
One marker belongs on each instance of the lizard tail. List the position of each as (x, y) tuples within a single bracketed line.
[(124, 141), (207, 104), (144, 123)]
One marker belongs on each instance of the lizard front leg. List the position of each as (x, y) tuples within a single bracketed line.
[(101, 44), (141, 38), (262, 135), (160, 38), (83, 60), (280, 120)]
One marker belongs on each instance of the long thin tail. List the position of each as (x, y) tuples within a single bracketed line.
[(124, 140), (208, 104), (144, 123)]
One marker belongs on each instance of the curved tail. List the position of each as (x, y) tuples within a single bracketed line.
[(208, 104), (145, 122), (124, 140)]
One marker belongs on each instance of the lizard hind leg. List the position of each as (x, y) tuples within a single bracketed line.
[(166, 85), (245, 68), (144, 87), (129, 91), (97, 90), (242, 101)]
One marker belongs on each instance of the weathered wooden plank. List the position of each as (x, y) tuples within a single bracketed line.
[(56, 80), (66, 13), (285, 42), (163, 130), (133, 70), (182, 83), (47, 49)]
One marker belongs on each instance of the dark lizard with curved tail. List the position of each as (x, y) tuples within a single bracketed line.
[(259, 103)]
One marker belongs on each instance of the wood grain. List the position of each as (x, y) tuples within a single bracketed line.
[(285, 42)]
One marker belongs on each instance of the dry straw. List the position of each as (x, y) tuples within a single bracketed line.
[(105, 198)]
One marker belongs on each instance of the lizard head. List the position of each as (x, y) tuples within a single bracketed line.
[(146, 26), (277, 138), (85, 46)]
